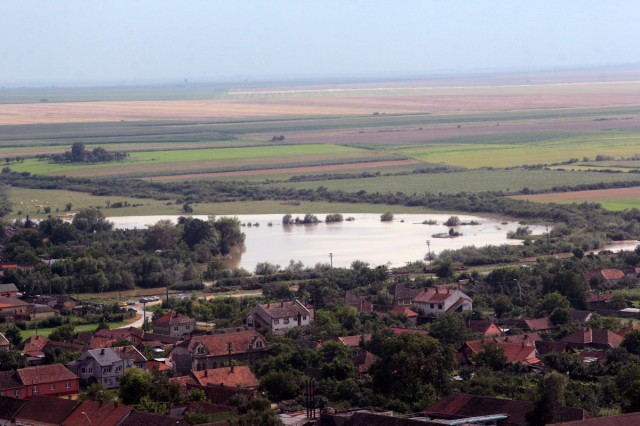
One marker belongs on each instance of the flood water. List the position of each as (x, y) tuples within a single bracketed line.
[(366, 238)]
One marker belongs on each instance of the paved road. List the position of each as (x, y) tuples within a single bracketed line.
[(139, 307)]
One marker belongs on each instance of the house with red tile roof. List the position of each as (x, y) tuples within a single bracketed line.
[(8, 290), (483, 328), (403, 310), (358, 302), (436, 301), (42, 410), (596, 338), (220, 384), (53, 380), (363, 362), (8, 409), (522, 353), (174, 324), (355, 342), (460, 406), (607, 276), (11, 307), (598, 300), (142, 418), (630, 419), (97, 414), (214, 350), (280, 317), (403, 296), (528, 325)]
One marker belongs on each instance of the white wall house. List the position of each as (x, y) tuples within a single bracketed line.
[(436, 301), (280, 316)]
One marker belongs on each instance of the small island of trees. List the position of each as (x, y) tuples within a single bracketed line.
[(79, 154)]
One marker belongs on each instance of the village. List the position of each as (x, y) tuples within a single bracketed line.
[(210, 374)]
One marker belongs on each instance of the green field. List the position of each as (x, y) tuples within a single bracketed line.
[(467, 181)]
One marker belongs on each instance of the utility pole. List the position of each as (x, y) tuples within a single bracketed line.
[(429, 250), (331, 259)]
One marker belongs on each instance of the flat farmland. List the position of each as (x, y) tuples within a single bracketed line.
[(471, 181), (611, 199), (198, 160)]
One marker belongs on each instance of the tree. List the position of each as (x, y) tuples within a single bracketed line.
[(631, 342), (492, 356), (77, 152), (134, 384), (97, 392), (550, 302), (62, 333), (550, 398), (568, 284), (91, 220), (12, 360), (450, 329), (13, 335), (68, 207), (186, 207), (444, 268), (502, 306), (414, 368), (280, 385), (386, 217), (453, 221)]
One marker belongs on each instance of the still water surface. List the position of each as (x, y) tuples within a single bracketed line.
[(366, 238)]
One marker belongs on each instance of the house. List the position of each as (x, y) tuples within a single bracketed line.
[(280, 317), (529, 325), (580, 316), (522, 353), (604, 276), (596, 338), (38, 312), (552, 347), (436, 301), (403, 296), (358, 302), (102, 366), (174, 324), (142, 418), (220, 384), (11, 307), (528, 339), (483, 328), (460, 406), (44, 411), (130, 353), (355, 342), (97, 414), (363, 362), (212, 351), (8, 290), (4, 343), (403, 310), (630, 419), (8, 409), (599, 301), (53, 380), (33, 348)]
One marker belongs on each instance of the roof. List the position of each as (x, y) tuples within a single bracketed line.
[(184, 382), (163, 338), (598, 336), (631, 419), (606, 274), (9, 407), (33, 343), (239, 376), (464, 405), (287, 309), (551, 347), (433, 295), (600, 297), (157, 365), (46, 409), (364, 361), (397, 330), (354, 341), (375, 419), (97, 414), (486, 328), (9, 380), (515, 353), (119, 333), (539, 324), (218, 344), (398, 291), (45, 374), (8, 287), (140, 418), (404, 310), (104, 356), (4, 341), (518, 339), (173, 318), (130, 353), (98, 342), (580, 316), (11, 302)]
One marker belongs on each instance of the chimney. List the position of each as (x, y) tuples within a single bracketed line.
[(281, 303), (101, 351), (206, 373), (268, 305), (437, 290)]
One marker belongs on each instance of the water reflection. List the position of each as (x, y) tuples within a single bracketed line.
[(366, 238)]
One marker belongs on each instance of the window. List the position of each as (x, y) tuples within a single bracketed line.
[(259, 344), (275, 321), (106, 369), (440, 306), (432, 306), (34, 390), (118, 369), (1, 393), (286, 321), (52, 387), (83, 370), (175, 328), (200, 350), (68, 385), (188, 327), (90, 370), (17, 393), (304, 317)]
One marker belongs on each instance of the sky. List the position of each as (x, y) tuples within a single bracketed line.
[(135, 41)]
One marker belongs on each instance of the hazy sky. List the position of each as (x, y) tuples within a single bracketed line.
[(69, 41)]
